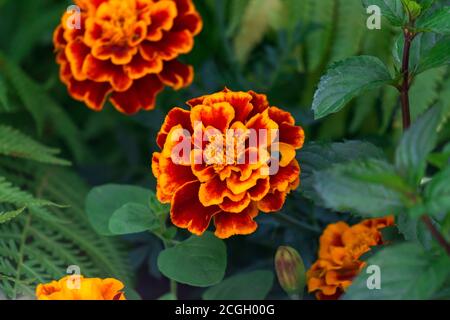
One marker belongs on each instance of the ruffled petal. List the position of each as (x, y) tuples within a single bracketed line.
[(229, 205), (285, 176), (162, 15), (176, 74), (176, 116), (272, 202), (188, 212), (94, 94), (76, 53), (218, 116), (141, 95), (102, 71), (139, 67), (293, 135), (230, 224)]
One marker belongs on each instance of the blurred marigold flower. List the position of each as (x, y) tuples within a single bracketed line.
[(126, 50), (340, 250), (80, 288), (229, 192)]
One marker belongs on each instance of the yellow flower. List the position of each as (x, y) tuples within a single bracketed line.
[(80, 288)]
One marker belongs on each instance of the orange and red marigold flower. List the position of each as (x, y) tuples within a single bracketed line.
[(230, 193), (125, 50), (80, 288), (341, 247)]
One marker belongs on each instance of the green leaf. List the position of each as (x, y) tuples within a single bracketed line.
[(347, 79), (438, 21), (424, 91), (408, 272), (368, 188), (9, 215), (259, 16), (168, 297), (253, 285), (437, 193), (321, 156), (391, 9), (413, 229), (103, 201), (15, 144), (412, 8), (437, 56), (415, 146), (133, 218), (198, 261), (422, 46)]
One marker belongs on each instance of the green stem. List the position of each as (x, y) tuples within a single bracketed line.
[(173, 283), (406, 117), (404, 90), (168, 243)]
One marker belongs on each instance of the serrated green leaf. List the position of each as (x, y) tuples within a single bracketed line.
[(437, 56), (413, 229), (391, 9), (408, 272), (415, 146), (347, 79), (437, 193), (321, 156), (421, 46), (424, 91), (198, 261), (353, 187), (438, 22), (253, 285)]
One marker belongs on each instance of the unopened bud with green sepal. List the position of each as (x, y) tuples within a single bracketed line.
[(290, 271)]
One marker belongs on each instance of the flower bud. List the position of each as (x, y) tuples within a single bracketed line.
[(290, 271)]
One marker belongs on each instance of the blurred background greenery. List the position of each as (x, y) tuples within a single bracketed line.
[(277, 47)]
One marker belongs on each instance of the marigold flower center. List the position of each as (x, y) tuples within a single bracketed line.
[(119, 20)]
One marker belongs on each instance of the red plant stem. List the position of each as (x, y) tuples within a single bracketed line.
[(406, 114), (436, 234), (406, 117)]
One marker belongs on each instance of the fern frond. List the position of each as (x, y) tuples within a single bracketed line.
[(9, 215), (41, 106), (13, 143), (34, 249), (14, 195)]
